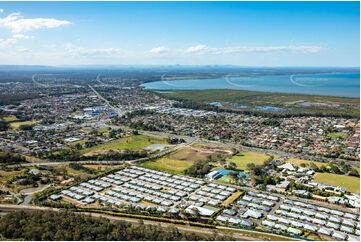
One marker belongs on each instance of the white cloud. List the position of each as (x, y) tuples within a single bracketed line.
[(23, 50), (1, 10), (18, 24), (71, 49), (203, 49), (6, 43), (197, 49), (159, 50)]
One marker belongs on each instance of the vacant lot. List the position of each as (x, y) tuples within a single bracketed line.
[(351, 183), (133, 142), (244, 158), (197, 153), (178, 161)]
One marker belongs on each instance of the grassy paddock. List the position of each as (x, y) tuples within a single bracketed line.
[(338, 135), (298, 162), (232, 198), (9, 118), (350, 183), (133, 142), (244, 158), (180, 160), (16, 125), (169, 165)]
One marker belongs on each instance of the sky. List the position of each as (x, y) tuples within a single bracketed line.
[(185, 33)]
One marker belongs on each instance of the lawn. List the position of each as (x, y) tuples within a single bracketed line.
[(298, 162), (133, 142), (337, 135), (16, 125), (10, 118), (226, 179), (232, 198), (169, 165), (244, 158), (351, 183)]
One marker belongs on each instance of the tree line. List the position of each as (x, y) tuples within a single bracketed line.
[(8, 157), (47, 225)]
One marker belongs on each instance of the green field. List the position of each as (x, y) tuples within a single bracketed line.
[(10, 118), (350, 183), (16, 125), (298, 103), (336, 135), (168, 165), (178, 161), (226, 179), (244, 158), (133, 142), (298, 162)]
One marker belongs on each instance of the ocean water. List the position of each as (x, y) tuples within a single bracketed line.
[(331, 84)]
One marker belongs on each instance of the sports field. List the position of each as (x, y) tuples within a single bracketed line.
[(244, 158), (351, 183)]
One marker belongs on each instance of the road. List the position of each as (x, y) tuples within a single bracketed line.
[(237, 234), (117, 110)]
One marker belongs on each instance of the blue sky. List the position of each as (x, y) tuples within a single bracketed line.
[(190, 33)]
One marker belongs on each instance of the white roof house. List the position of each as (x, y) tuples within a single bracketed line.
[(346, 229), (272, 218), (281, 227), (333, 225), (294, 231), (297, 224), (222, 218), (324, 231), (252, 213), (201, 210), (339, 235), (287, 166), (310, 227), (353, 238), (268, 223)]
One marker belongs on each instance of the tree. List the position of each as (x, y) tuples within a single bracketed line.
[(4, 125), (50, 226), (198, 169), (232, 166)]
